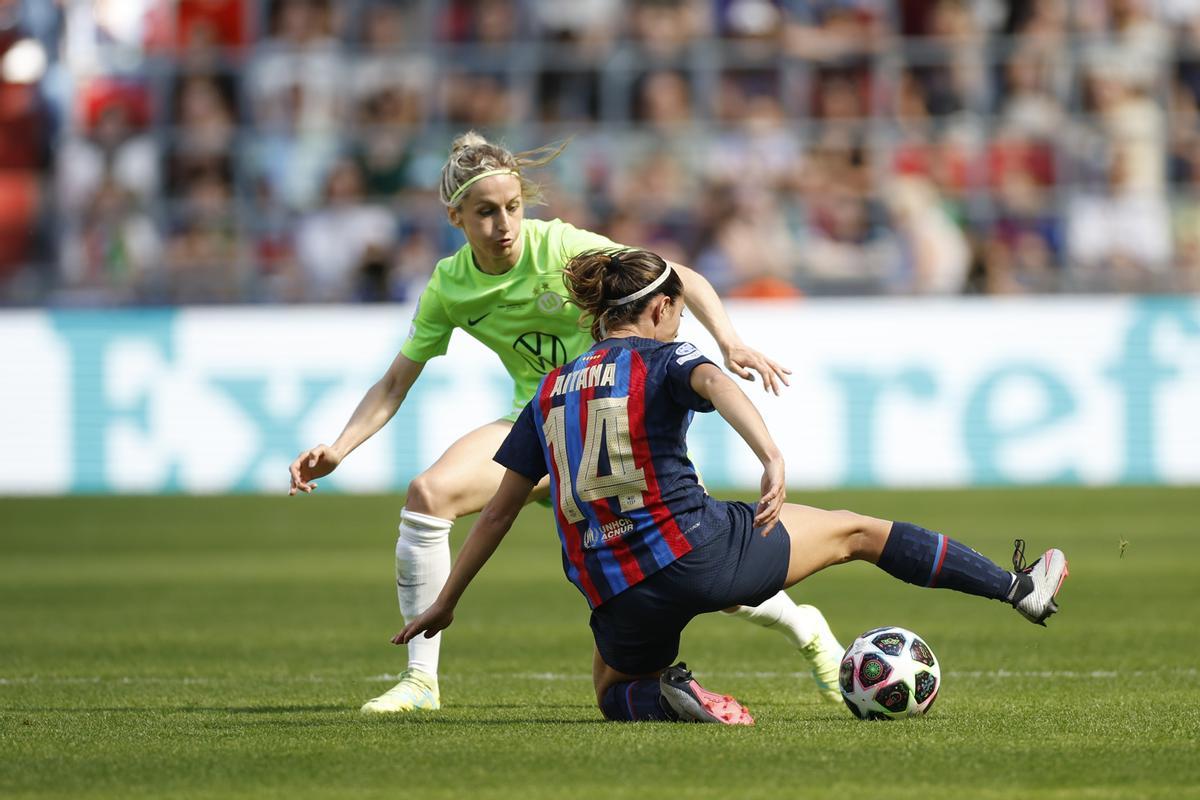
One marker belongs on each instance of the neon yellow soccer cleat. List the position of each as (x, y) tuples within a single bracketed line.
[(824, 655), (415, 691)]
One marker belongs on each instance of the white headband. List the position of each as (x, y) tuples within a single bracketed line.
[(640, 293)]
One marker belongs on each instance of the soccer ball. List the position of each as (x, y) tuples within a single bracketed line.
[(889, 673)]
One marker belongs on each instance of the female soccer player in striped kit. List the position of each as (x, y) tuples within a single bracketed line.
[(504, 287), (642, 541)]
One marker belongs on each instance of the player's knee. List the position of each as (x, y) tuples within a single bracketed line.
[(867, 537), (858, 535), (426, 495)]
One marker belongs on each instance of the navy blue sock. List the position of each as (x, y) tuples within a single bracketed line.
[(634, 701), (925, 558)]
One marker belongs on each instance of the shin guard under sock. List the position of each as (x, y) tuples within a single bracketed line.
[(924, 558)]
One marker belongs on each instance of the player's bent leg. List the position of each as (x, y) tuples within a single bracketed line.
[(805, 627), (623, 697), (821, 538), (464, 478), (670, 695)]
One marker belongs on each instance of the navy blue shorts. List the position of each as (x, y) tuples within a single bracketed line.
[(637, 631)]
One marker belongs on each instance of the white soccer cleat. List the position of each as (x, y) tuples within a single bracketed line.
[(415, 691), (1043, 578), (824, 654)]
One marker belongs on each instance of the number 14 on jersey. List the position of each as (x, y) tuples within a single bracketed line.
[(607, 427)]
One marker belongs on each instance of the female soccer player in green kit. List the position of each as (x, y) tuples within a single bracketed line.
[(504, 287)]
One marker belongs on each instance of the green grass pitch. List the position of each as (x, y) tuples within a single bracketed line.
[(220, 647)]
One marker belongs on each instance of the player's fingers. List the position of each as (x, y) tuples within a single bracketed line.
[(310, 458), (774, 376), (769, 507), (740, 371), (780, 373), (752, 362), (766, 521), (772, 373), (769, 381), (763, 513)]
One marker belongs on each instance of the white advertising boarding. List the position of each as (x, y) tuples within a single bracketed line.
[(883, 393)]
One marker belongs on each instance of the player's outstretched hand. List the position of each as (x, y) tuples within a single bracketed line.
[(310, 465), (744, 361), (433, 620), (774, 493)]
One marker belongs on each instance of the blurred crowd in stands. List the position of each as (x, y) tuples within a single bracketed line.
[(223, 151)]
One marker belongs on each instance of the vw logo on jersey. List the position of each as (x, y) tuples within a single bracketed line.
[(550, 303), (543, 351)]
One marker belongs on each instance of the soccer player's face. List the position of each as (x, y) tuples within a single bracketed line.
[(491, 218)]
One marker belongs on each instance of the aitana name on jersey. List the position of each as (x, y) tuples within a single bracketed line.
[(585, 378)]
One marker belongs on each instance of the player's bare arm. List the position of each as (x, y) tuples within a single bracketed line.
[(701, 298), (486, 534), (379, 404), (735, 407)]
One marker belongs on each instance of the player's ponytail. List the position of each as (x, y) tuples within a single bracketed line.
[(610, 286), (471, 156)]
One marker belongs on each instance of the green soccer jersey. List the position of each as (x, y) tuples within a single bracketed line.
[(524, 316)]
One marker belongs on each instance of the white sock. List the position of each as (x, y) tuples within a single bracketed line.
[(422, 566), (779, 613)]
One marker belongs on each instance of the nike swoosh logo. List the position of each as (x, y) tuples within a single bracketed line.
[(477, 319)]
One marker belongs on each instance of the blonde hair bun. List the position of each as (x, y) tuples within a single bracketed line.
[(466, 140)]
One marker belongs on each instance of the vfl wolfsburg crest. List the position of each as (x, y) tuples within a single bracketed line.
[(548, 302), (543, 351)]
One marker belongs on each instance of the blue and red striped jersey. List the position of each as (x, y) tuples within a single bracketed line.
[(610, 429)]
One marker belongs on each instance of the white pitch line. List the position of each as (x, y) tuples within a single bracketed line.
[(1002, 674)]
